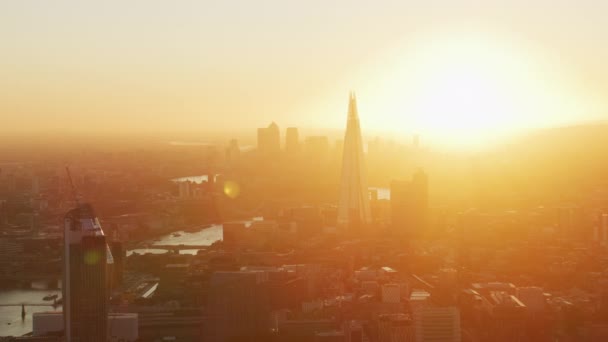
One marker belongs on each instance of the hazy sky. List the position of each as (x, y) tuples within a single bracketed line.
[(173, 65)]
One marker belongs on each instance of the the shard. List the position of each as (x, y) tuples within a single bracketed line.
[(353, 208)]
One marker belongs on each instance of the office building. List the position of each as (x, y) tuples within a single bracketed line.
[(85, 283), (395, 328), (409, 205), (9, 248), (353, 331), (233, 234), (486, 288), (269, 140), (353, 208), (508, 317), (239, 304), (419, 299), (434, 323), (304, 329), (391, 293), (534, 299), (122, 327)]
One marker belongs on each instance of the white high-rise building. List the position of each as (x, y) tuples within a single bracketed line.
[(354, 194), (437, 324)]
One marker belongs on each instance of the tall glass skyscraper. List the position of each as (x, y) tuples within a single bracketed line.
[(269, 140), (85, 278), (353, 207)]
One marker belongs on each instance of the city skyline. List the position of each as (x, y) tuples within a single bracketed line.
[(484, 70), (203, 171), (283, 238)]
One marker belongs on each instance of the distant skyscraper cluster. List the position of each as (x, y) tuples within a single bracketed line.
[(409, 199)]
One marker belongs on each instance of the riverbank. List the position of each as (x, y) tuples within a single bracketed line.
[(157, 236), (11, 323), (205, 236)]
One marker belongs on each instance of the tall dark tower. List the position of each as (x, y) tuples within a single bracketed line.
[(85, 278), (354, 197)]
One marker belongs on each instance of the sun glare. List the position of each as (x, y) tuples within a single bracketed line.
[(466, 93)]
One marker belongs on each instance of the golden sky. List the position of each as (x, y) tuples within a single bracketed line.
[(461, 71)]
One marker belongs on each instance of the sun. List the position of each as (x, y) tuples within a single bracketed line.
[(468, 92), (466, 95)]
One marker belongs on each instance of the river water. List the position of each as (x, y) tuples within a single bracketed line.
[(207, 236), (203, 237), (10, 316), (194, 179)]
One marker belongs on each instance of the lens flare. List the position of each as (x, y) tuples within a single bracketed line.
[(91, 257), (232, 189)]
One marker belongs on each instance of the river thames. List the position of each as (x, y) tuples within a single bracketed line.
[(11, 323), (10, 316)]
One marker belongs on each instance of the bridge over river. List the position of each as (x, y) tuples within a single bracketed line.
[(32, 304), (177, 247)]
